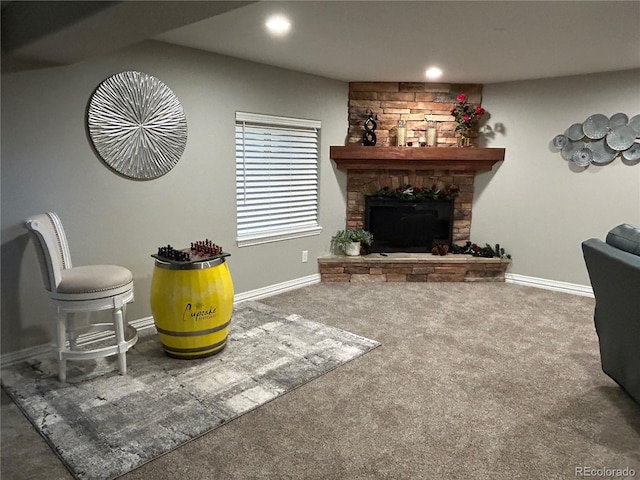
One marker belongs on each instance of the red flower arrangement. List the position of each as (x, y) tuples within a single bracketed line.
[(465, 114)]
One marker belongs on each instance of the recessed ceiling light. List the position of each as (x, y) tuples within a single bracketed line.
[(278, 25), (433, 73)]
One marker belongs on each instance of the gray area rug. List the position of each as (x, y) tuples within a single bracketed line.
[(103, 425)]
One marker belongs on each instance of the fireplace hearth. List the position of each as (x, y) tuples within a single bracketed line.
[(406, 226)]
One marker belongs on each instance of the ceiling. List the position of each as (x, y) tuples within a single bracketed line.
[(472, 41)]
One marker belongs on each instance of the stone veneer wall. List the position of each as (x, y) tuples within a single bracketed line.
[(409, 101)]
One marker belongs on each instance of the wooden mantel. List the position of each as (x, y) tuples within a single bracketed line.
[(358, 157)]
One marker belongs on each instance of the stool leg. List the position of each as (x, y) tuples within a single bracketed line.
[(73, 337), (118, 321), (61, 341)]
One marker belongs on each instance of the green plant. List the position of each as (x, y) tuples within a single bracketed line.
[(343, 237)]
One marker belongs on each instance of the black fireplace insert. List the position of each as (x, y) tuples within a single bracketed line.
[(407, 226)]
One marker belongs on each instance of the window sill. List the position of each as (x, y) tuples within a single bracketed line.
[(277, 237)]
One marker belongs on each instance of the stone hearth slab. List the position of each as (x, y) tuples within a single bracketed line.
[(412, 267)]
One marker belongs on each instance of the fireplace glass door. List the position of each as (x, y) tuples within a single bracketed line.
[(402, 226)]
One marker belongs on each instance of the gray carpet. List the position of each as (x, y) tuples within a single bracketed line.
[(472, 382), (103, 425)]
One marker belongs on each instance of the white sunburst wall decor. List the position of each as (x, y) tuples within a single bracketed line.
[(600, 139), (137, 125)]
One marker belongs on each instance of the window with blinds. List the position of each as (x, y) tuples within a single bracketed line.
[(277, 162)]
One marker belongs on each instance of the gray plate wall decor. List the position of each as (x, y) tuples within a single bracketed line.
[(596, 126), (618, 120), (620, 138), (582, 157), (575, 132), (635, 124), (570, 149), (137, 125), (632, 153), (602, 153), (600, 139), (560, 141)]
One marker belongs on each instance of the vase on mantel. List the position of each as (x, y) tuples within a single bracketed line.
[(467, 137)]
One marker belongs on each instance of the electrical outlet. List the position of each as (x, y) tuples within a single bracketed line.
[(305, 256)]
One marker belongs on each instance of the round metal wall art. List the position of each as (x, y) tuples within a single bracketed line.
[(601, 152), (570, 149), (137, 125), (582, 157), (575, 132), (595, 127), (635, 124), (620, 138), (618, 120), (632, 154), (559, 141), (600, 139)]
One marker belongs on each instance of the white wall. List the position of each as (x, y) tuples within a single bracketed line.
[(48, 165), (538, 205)]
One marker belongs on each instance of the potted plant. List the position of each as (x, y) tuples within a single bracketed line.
[(351, 240)]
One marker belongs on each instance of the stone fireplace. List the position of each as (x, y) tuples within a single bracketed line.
[(420, 167), (369, 169)]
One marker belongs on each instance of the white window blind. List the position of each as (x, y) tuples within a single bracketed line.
[(276, 178)]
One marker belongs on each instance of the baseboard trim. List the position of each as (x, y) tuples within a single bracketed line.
[(141, 324), (39, 351), (46, 350), (277, 289), (564, 287)]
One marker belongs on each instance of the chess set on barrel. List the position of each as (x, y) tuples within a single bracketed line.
[(200, 251)]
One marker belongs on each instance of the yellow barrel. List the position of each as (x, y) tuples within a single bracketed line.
[(191, 305)]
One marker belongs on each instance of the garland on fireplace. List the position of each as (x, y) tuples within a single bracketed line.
[(417, 194), (477, 251)]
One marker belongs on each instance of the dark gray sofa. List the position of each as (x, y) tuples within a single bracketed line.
[(614, 270)]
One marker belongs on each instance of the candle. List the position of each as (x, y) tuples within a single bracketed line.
[(431, 136), (401, 133), (431, 131)]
